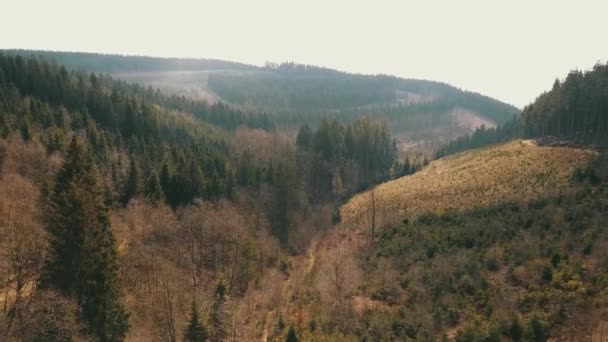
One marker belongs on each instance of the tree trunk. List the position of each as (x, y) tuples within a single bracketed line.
[(371, 238)]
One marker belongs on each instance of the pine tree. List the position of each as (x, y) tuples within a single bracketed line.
[(196, 331), (291, 335), (219, 315), (538, 329), (165, 179), (154, 191), (84, 263), (304, 138), (516, 330), (133, 185), (407, 167)]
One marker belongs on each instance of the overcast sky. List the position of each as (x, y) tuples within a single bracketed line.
[(511, 50)]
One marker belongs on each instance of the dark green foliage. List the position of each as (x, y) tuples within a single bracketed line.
[(219, 315), (481, 137), (84, 262), (575, 109), (516, 330), (304, 138), (196, 331), (103, 63), (290, 88), (346, 159), (291, 335), (165, 177), (154, 191), (283, 194), (48, 103), (537, 326), (133, 185), (547, 274)]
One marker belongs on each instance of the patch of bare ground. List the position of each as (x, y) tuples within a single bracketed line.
[(469, 119)]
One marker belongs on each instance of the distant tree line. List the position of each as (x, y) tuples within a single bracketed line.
[(290, 88), (108, 63), (575, 109), (355, 155)]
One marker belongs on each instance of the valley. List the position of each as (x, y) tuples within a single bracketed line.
[(151, 199)]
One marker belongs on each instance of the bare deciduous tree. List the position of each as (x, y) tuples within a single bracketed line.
[(339, 275), (23, 244)]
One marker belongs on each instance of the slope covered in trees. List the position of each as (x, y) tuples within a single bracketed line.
[(468, 261), (130, 214), (575, 110), (417, 110), (109, 63), (135, 203), (308, 89)]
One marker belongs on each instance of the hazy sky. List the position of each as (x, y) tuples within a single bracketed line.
[(511, 50)]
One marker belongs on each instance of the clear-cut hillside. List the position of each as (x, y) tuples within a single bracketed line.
[(517, 171)]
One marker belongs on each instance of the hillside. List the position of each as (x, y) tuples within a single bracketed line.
[(480, 248), (516, 171), (419, 111), (174, 201), (475, 247), (201, 214)]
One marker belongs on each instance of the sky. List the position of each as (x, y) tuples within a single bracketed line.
[(511, 50)]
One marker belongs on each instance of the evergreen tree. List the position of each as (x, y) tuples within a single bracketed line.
[(538, 329), (406, 169), (26, 130), (196, 331), (283, 196), (133, 185), (291, 335), (84, 264), (154, 191), (165, 178), (219, 315), (196, 182), (304, 138), (516, 330)]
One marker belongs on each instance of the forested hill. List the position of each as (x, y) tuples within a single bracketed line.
[(574, 110), (415, 109), (296, 87), (122, 207), (112, 63)]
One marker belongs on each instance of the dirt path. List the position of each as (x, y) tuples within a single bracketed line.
[(302, 267)]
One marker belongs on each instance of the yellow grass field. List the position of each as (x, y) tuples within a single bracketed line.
[(516, 171)]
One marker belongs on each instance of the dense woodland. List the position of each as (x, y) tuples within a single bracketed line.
[(416, 110), (307, 88), (96, 152), (108, 63), (129, 214), (291, 94)]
